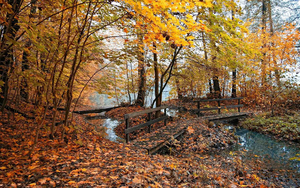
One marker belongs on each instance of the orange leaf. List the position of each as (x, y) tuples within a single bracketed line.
[(190, 130), (137, 180), (71, 182)]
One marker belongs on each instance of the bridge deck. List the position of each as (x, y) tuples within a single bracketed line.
[(155, 140), (222, 117)]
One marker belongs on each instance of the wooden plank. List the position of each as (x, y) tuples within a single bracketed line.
[(134, 114), (227, 118), (217, 108), (225, 99), (137, 127), (223, 117)]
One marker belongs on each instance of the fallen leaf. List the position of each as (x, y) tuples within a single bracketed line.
[(71, 182), (137, 180), (32, 184)]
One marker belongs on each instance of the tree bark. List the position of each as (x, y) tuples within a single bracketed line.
[(217, 90), (264, 25), (6, 51), (210, 88), (233, 91), (277, 71), (141, 74), (156, 79), (128, 86)]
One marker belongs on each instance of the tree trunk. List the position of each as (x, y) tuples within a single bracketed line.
[(210, 87), (217, 90), (156, 80), (277, 71), (233, 91), (6, 50), (264, 25), (141, 74), (128, 86)]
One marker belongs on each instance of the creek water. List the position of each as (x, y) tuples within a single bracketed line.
[(276, 155), (110, 125), (277, 160)]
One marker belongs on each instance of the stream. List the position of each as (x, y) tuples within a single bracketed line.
[(110, 125), (276, 155), (277, 161)]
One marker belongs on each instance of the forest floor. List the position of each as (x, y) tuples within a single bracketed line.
[(84, 158)]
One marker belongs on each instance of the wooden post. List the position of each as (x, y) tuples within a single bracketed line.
[(127, 126), (165, 113), (149, 118), (219, 105), (239, 102), (198, 105)]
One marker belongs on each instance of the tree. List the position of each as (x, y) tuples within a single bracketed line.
[(9, 27), (216, 49)]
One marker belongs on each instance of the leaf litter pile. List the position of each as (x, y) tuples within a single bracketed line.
[(84, 158)]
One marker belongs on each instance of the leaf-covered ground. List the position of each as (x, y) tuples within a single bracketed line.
[(85, 159)]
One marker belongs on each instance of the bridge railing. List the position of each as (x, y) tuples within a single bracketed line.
[(127, 117), (219, 107)]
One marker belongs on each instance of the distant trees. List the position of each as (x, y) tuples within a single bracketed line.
[(274, 39)]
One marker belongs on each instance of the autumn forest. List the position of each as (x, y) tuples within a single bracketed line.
[(74, 73)]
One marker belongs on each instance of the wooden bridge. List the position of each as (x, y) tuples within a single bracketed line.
[(155, 140)]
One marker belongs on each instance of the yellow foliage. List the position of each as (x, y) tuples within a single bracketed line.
[(158, 17)]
